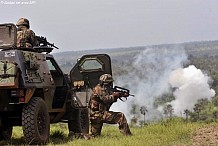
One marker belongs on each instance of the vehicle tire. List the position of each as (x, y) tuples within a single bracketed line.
[(35, 121), (81, 122), (6, 133)]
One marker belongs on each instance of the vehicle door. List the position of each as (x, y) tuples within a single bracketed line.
[(85, 75)]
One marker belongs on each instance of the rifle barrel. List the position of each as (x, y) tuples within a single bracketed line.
[(132, 95)]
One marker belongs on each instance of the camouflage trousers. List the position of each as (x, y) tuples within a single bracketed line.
[(98, 118)]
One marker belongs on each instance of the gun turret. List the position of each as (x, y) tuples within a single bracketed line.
[(44, 45), (42, 41)]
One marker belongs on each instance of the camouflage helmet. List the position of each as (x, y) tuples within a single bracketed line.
[(106, 79), (23, 21)]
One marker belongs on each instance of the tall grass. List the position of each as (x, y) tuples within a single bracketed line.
[(166, 132)]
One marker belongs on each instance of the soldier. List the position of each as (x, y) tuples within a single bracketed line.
[(25, 36), (100, 103)]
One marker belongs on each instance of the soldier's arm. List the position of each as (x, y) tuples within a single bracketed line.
[(19, 36), (33, 38), (104, 96), (107, 98)]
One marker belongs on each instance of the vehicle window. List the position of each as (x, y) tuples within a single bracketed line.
[(50, 65), (91, 64)]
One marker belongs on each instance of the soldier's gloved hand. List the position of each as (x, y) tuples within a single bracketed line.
[(116, 94)]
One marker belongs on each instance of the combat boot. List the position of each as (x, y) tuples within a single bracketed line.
[(71, 135), (82, 136)]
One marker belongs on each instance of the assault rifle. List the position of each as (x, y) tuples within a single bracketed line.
[(42, 41), (122, 91)]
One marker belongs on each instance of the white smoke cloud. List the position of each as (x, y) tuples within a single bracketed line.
[(191, 84), (149, 78), (155, 72)]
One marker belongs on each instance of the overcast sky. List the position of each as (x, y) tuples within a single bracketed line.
[(95, 24)]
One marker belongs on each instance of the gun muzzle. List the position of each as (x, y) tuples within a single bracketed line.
[(132, 95)]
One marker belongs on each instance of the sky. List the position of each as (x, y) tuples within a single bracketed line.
[(102, 24)]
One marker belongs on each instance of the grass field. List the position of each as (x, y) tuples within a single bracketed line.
[(165, 133)]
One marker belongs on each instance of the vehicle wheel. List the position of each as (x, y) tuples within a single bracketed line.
[(35, 122), (6, 133), (81, 122)]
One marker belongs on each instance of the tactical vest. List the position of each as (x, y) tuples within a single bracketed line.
[(96, 104)]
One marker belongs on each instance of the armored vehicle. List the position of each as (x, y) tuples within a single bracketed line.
[(35, 92)]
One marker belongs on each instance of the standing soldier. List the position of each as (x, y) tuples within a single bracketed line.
[(25, 36), (100, 103)]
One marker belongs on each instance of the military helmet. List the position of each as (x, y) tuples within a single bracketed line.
[(106, 79), (23, 21)]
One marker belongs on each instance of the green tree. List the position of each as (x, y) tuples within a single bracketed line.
[(134, 111), (215, 115), (197, 109), (168, 110), (215, 100), (143, 111), (186, 112)]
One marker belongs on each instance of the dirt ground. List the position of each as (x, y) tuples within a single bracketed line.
[(206, 136)]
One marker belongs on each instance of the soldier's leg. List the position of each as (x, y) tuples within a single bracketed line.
[(117, 118), (96, 123), (96, 128)]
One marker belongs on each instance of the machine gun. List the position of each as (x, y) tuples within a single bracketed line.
[(122, 91), (42, 41)]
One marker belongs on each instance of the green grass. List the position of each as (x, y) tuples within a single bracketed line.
[(165, 133)]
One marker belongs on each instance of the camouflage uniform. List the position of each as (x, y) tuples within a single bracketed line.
[(25, 36), (100, 103)]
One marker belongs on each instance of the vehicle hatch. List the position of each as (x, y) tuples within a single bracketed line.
[(8, 36)]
